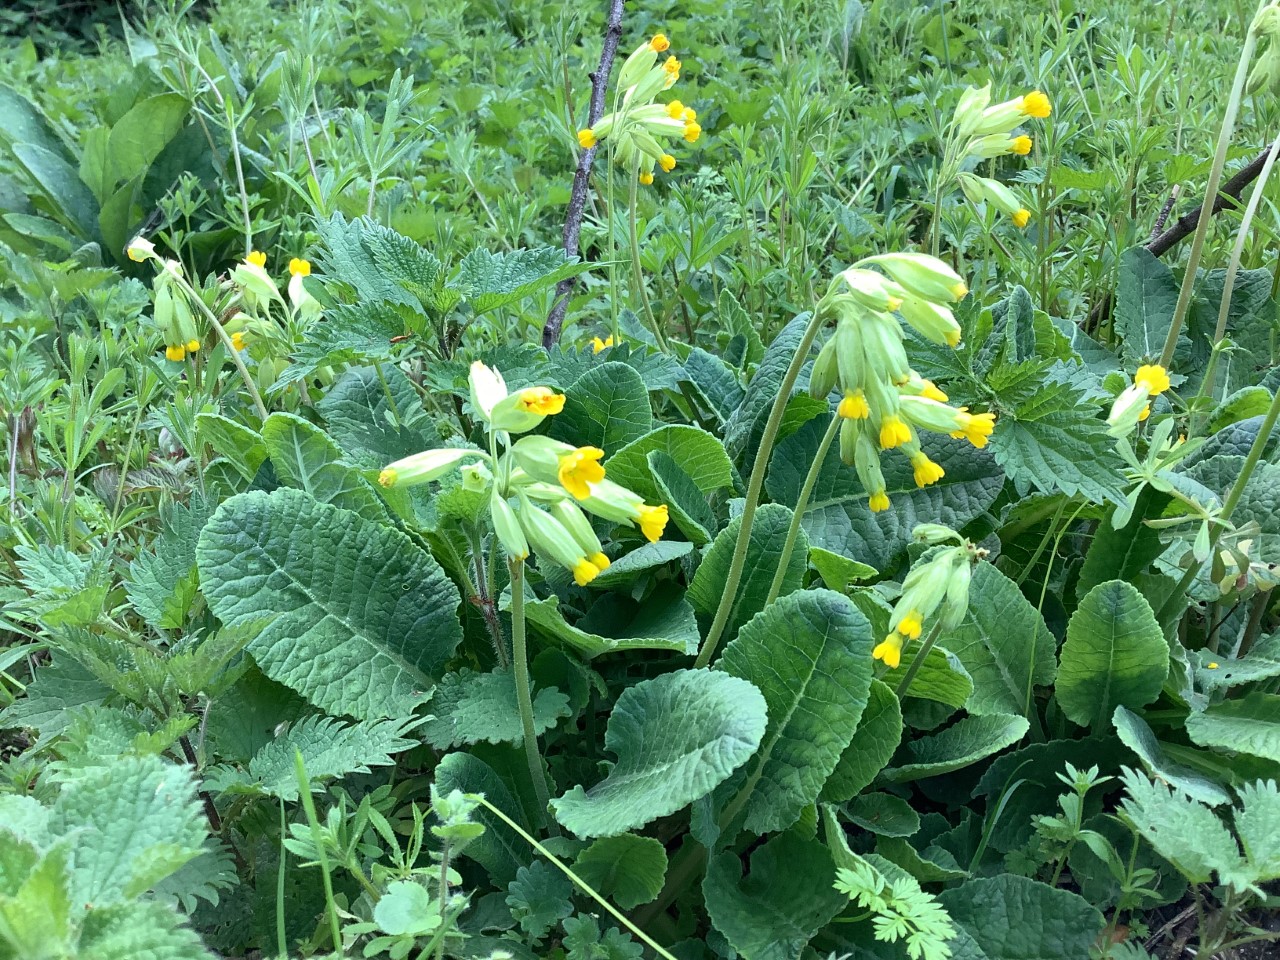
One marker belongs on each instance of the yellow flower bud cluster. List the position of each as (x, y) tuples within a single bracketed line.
[(937, 588), (638, 127), (171, 311), (551, 483), (883, 402), (986, 131)]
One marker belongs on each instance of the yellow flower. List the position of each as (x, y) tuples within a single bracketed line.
[(689, 115), (646, 177), (854, 406), (893, 432), (889, 650), (597, 344), (299, 267), (931, 392), (541, 401), (175, 353), (660, 43), (667, 162), (1021, 217), (1036, 104), (1146, 412), (878, 501), (1154, 377), (1021, 145), (672, 66), (599, 560), (1212, 665), (925, 470), (257, 258), (911, 625), (675, 109), (584, 571), (586, 138), (953, 336), (387, 477), (193, 346), (975, 427), (692, 131), (653, 520), (238, 340), (579, 468)]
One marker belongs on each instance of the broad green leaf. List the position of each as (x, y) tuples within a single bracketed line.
[(838, 518), (1137, 736), (1251, 325), (883, 814), (1262, 662), (924, 868), (376, 419), (1013, 918), (688, 505), (162, 581), (632, 564), (69, 200), (809, 653), (470, 707), (240, 446), (838, 572), (22, 122), (764, 551), (1125, 553), (664, 622), (628, 869), (677, 737), (1115, 655), (965, 742), (715, 382), (942, 678), (699, 454), (1261, 502), (1244, 403), (244, 719), (407, 908), (735, 321), (874, 742), (1145, 298), (1003, 643), (787, 896), (489, 280), (135, 821), (500, 850), (132, 931), (607, 407), (363, 618), (304, 457), (1249, 725), (138, 137)]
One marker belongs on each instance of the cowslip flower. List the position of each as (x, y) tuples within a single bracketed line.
[(937, 584), (598, 345), (575, 469), (1134, 403)]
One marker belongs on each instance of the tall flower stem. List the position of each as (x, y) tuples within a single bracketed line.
[(1210, 195), (524, 695), (918, 662), (637, 272), (1233, 498), (754, 486), (806, 490)]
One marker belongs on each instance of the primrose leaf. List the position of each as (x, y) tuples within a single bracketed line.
[(1013, 918), (628, 868), (305, 457), (965, 742)]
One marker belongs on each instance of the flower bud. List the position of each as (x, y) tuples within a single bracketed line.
[(141, 249), (923, 275), (423, 467), (956, 603), (998, 145), (636, 65), (1129, 408), (476, 477), (256, 283), (822, 378), (579, 527), (969, 110), (506, 526), (934, 534), (487, 388), (302, 301), (552, 541), (872, 290), (523, 410), (884, 353)]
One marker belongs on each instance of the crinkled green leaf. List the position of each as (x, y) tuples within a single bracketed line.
[(632, 564), (373, 423), (743, 430), (965, 742), (686, 504), (699, 454), (1146, 295), (500, 850), (1249, 725), (49, 702), (607, 407), (163, 581), (237, 444), (139, 931), (663, 622), (629, 869), (1013, 918), (874, 741), (470, 707), (304, 457), (539, 899)]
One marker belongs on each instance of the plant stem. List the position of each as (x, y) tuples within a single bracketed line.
[(444, 891), (806, 490), (1233, 498), (912, 670), (1210, 195), (282, 940), (581, 884), (524, 697), (309, 806), (754, 486), (636, 270)]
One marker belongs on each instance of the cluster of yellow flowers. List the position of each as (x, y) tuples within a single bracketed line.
[(551, 483), (638, 123), (883, 401), (984, 131)]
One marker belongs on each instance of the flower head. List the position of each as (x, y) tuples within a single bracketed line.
[(893, 432), (930, 391), (1154, 377), (1036, 104), (586, 138), (653, 520), (175, 353), (299, 267), (660, 43), (854, 406), (671, 66), (140, 249), (540, 400), (692, 131), (878, 502), (1020, 217), (579, 468), (889, 650), (675, 110), (597, 345), (911, 625), (974, 427), (257, 258), (925, 470), (1021, 145), (667, 162), (238, 340), (646, 177), (193, 346)]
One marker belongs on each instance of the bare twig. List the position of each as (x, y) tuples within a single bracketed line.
[(582, 176), (1165, 211)]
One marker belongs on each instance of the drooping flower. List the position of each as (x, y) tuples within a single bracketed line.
[(579, 468), (1133, 405), (598, 345), (937, 584)]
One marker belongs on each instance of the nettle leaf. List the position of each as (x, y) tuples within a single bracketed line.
[(130, 931), (810, 655), (665, 621), (1013, 918), (677, 737), (347, 253), (629, 869), (1115, 654), (362, 618), (349, 333), (699, 454), (488, 280), (1256, 820), (1056, 440), (1250, 725), (1003, 643), (470, 707), (376, 419), (135, 822), (838, 518), (786, 898), (874, 741), (51, 699), (201, 878), (965, 742), (1146, 295), (66, 589), (607, 407), (1138, 737), (764, 550), (305, 457), (329, 747), (163, 581), (500, 850)]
